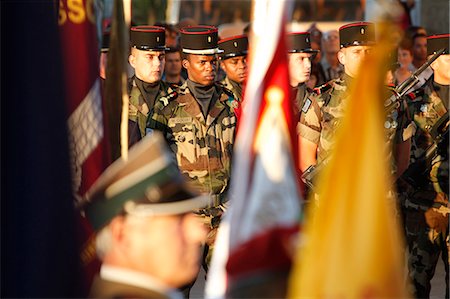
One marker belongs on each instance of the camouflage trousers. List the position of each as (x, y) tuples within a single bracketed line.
[(425, 244)]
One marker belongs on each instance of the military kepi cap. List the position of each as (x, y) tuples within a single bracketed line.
[(437, 42), (200, 40), (148, 38), (148, 183), (298, 42), (357, 34), (234, 46)]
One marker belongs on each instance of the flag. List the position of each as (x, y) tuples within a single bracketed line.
[(39, 250), (351, 241), (87, 142), (260, 227)]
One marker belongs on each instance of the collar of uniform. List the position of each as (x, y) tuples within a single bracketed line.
[(126, 276)]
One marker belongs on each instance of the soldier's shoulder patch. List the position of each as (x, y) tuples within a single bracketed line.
[(306, 105), (165, 100), (323, 88)]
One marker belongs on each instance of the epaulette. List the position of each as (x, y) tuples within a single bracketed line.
[(227, 91), (322, 88), (415, 95), (169, 97)]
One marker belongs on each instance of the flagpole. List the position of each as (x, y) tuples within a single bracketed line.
[(125, 99)]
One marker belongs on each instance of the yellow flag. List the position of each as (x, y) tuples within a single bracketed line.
[(352, 246)]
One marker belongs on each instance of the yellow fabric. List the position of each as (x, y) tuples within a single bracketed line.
[(351, 246)]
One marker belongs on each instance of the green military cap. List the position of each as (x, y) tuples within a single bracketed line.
[(200, 40), (148, 38), (148, 183), (298, 42), (437, 42), (234, 46), (357, 34)]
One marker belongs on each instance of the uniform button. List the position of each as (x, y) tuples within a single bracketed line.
[(394, 124), (387, 124)]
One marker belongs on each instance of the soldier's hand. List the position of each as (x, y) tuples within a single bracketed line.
[(436, 220)]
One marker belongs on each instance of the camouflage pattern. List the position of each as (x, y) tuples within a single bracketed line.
[(426, 208), (322, 114), (139, 109), (203, 147), (235, 102)]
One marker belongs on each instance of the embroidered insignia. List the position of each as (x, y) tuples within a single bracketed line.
[(424, 108)]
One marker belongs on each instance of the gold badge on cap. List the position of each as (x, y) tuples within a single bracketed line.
[(209, 38), (153, 193), (157, 38), (235, 44), (307, 39), (362, 31)]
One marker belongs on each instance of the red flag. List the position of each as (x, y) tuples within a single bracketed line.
[(87, 140), (264, 213)]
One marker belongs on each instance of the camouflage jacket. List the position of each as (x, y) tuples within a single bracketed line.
[(139, 109), (237, 96), (322, 113), (203, 147), (426, 111)]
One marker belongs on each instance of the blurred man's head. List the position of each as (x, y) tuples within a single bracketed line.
[(142, 210), (173, 62), (419, 49), (330, 42)]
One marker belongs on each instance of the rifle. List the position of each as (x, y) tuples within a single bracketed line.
[(392, 103), (417, 173)]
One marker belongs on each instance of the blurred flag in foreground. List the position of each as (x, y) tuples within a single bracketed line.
[(88, 146), (40, 257), (259, 229), (351, 243)]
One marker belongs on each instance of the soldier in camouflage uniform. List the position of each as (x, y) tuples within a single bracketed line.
[(300, 56), (199, 125), (145, 88), (426, 183), (323, 110), (233, 62)]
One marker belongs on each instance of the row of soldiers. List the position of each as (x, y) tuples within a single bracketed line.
[(198, 121)]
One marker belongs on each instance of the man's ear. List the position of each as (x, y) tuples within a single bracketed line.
[(185, 63), (132, 60), (341, 56)]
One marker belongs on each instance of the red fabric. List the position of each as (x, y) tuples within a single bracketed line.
[(80, 53), (269, 250)]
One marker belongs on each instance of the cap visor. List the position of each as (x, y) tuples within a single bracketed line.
[(171, 208)]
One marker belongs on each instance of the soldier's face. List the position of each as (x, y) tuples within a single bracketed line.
[(299, 67), (173, 63), (235, 68), (166, 247), (352, 57), (201, 68), (148, 65)]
